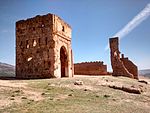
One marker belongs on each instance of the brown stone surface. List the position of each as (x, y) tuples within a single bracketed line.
[(90, 68), (43, 48), (121, 66), (129, 89)]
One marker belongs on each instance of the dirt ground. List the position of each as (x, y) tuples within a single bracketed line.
[(17, 91)]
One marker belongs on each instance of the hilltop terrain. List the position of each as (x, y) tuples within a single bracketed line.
[(81, 94), (93, 94), (145, 73), (7, 70)]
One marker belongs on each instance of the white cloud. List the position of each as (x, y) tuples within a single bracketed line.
[(137, 20)]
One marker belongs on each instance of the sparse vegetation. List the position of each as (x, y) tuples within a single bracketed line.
[(62, 96)]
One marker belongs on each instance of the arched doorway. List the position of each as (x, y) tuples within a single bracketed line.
[(64, 62)]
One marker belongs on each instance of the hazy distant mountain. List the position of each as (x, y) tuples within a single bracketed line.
[(7, 70), (145, 72)]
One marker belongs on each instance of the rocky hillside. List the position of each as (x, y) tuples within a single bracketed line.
[(7, 70), (145, 72)]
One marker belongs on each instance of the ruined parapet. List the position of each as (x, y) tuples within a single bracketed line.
[(121, 66), (90, 68), (130, 66), (43, 48)]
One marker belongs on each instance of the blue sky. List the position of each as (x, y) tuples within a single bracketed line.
[(93, 22)]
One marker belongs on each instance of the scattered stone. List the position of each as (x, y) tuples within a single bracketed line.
[(106, 80), (29, 103), (58, 99), (48, 88), (23, 97), (42, 93), (142, 88), (143, 81), (129, 89), (72, 90), (70, 95), (106, 96), (51, 98), (78, 82), (12, 99), (115, 87), (17, 91), (12, 95), (114, 99), (141, 85), (133, 86), (85, 89), (97, 96), (31, 100)]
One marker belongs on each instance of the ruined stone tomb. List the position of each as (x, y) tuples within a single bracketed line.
[(121, 66), (43, 48)]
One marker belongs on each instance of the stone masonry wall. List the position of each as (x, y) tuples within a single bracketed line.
[(90, 68), (130, 66), (62, 37)]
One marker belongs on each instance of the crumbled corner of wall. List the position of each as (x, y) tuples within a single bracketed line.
[(121, 66)]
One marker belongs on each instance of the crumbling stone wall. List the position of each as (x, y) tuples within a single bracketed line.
[(39, 42), (130, 66), (90, 68), (121, 66)]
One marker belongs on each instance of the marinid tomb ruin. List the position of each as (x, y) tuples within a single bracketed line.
[(43, 48), (121, 66)]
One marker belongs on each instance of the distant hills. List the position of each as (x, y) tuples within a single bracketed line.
[(145, 72), (7, 70)]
